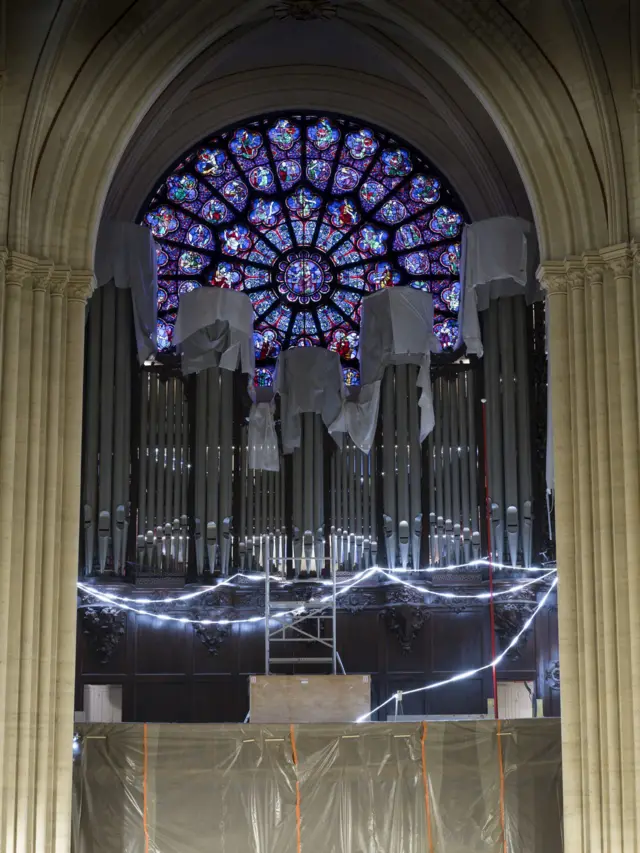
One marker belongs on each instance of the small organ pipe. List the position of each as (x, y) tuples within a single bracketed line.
[(359, 477), (464, 465), (473, 452), (201, 468), (344, 545), (439, 460), (402, 439), (214, 464), (307, 447), (186, 443), (143, 458), (226, 464), (431, 485), (494, 428), (161, 426), (126, 456), (351, 467), (388, 467), (524, 435), (120, 451), (92, 428), (455, 470), (318, 488), (106, 422), (177, 432), (169, 466), (244, 483), (506, 329), (415, 469), (297, 510), (366, 508)]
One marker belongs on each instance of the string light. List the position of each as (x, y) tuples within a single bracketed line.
[(123, 602), (469, 673), (348, 583), (480, 596)]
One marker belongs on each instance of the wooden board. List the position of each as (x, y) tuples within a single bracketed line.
[(309, 698)]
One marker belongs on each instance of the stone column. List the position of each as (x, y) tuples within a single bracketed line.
[(593, 352), (40, 439)]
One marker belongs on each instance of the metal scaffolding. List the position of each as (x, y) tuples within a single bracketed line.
[(291, 623)]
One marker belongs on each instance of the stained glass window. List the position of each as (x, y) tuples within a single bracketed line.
[(306, 214)]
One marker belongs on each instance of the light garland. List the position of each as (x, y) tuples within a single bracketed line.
[(389, 573), (123, 602), (479, 596), (470, 673)]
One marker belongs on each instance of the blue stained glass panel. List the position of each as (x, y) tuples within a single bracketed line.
[(305, 214)]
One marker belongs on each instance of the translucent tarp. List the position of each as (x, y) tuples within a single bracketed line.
[(473, 787)]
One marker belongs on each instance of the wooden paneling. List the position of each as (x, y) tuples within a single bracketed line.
[(172, 672)]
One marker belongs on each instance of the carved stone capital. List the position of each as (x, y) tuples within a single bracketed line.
[(593, 269), (41, 276), (58, 280), (81, 285), (619, 259), (17, 268), (553, 278), (575, 275)]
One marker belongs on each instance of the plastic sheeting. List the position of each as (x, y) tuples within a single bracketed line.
[(126, 255), (472, 787), (214, 328)]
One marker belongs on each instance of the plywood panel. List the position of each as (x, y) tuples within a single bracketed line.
[(309, 698)]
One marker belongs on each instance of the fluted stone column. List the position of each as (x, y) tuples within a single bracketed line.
[(43, 312), (594, 354)]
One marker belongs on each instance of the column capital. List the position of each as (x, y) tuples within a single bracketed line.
[(81, 285), (41, 276), (552, 275), (17, 267), (575, 274), (58, 280), (619, 259), (593, 268)]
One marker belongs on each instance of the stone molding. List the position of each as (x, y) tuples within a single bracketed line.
[(619, 259), (22, 270)]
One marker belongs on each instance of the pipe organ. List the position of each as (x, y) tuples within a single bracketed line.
[(168, 487)]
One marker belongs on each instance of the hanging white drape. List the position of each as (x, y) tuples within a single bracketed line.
[(308, 379), (214, 328), (498, 259), (126, 255), (397, 328)]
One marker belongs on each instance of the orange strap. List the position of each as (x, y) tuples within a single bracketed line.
[(425, 782), (501, 768), (294, 755), (145, 774)]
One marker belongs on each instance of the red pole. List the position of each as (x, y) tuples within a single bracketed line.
[(492, 613)]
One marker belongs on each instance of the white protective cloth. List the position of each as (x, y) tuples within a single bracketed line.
[(397, 328), (214, 327), (308, 379), (126, 255), (498, 258), (359, 416), (263, 441)]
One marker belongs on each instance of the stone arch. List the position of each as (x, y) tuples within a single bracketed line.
[(128, 71), (241, 96)]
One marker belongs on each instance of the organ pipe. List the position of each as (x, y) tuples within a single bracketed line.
[(415, 469), (389, 467), (437, 480)]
